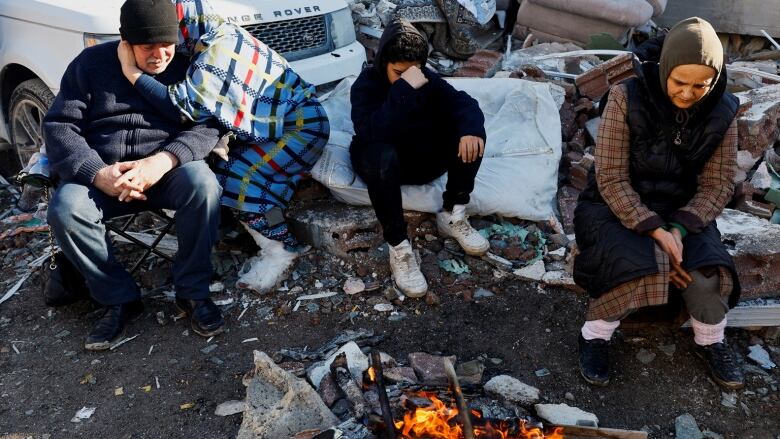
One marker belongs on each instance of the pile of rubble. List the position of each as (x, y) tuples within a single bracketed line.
[(338, 392), (347, 388)]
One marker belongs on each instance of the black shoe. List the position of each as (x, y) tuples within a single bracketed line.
[(723, 366), (205, 316), (111, 325), (594, 361)]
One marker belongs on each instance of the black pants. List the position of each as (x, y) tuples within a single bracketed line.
[(385, 167)]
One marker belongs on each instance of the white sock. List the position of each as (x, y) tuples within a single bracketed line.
[(602, 329), (704, 334)]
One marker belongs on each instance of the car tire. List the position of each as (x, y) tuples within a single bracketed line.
[(29, 102)]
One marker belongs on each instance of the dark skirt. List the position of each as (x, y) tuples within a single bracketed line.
[(611, 254)]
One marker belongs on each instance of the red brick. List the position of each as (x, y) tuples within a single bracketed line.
[(483, 64)]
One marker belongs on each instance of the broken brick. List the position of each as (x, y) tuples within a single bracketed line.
[(483, 64), (596, 81)]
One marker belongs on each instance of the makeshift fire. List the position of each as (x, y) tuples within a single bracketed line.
[(360, 396), (439, 420)]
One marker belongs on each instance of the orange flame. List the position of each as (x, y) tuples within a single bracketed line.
[(439, 421), (372, 374)]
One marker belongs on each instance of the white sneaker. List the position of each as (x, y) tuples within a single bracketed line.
[(406, 271), (456, 225)]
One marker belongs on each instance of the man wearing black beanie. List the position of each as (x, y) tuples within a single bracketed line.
[(113, 155)]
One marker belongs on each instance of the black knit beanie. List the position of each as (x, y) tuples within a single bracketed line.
[(149, 21)]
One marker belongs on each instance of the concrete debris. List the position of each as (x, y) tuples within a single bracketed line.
[(685, 427), (645, 357), (281, 405), (342, 229), (758, 121), (429, 368), (356, 359), (510, 389), (229, 408), (400, 375), (83, 413), (728, 400), (754, 244), (534, 272), (761, 178), (470, 372), (354, 285), (761, 357), (560, 278), (562, 414), (384, 307)]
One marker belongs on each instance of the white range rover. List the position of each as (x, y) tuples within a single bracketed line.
[(39, 38)]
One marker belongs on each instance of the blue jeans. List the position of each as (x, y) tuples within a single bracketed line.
[(77, 213)]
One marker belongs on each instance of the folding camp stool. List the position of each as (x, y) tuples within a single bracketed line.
[(38, 176), (119, 226)]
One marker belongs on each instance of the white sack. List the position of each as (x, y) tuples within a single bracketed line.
[(519, 172)]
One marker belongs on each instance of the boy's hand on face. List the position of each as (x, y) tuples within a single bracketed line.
[(470, 148), (415, 77)]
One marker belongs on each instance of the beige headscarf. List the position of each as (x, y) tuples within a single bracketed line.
[(691, 41)]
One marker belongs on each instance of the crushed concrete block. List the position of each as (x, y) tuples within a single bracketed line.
[(562, 414), (510, 389), (341, 229), (761, 178), (754, 244), (280, 405), (685, 427), (229, 408), (560, 278), (758, 119), (534, 272)]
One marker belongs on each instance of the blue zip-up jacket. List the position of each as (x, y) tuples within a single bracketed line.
[(98, 119)]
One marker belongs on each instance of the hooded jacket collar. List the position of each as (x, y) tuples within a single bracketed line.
[(396, 27)]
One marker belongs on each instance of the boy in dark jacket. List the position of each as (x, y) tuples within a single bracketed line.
[(411, 127)]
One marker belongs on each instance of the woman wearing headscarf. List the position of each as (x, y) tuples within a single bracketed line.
[(645, 224), (279, 125)]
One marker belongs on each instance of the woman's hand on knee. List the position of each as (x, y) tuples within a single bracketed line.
[(679, 277)]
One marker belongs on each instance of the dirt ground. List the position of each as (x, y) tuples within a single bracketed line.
[(170, 388)]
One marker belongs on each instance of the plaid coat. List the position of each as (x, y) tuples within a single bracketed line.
[(251, 90)]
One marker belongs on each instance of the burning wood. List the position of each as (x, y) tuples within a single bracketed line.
[(440, 421), (347, 385), (375, 372), (463, 410)]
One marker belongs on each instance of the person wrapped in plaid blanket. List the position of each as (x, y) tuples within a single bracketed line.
[(279, 125)]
